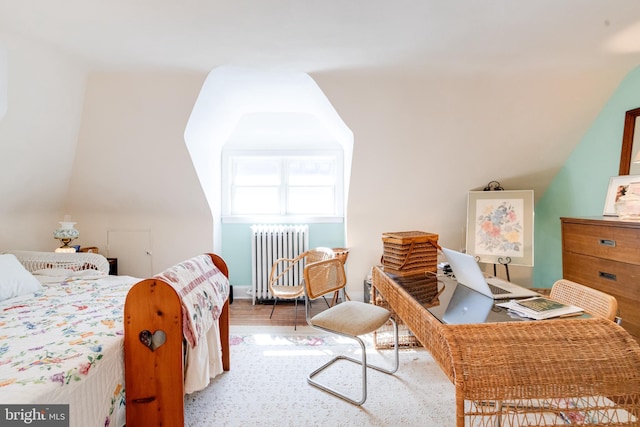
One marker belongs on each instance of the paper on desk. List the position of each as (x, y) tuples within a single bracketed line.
[(560, 311)]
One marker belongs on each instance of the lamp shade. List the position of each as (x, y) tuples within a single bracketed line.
[(66, 234), (636, 158), (66, 231)]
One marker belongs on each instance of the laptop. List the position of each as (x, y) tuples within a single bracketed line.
[(467, 272), (467, 306)]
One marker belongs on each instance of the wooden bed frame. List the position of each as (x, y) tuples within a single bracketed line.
[(155, 377)]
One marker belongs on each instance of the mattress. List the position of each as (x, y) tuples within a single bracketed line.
[(64, 345)]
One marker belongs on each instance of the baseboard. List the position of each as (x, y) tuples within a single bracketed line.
[(241, 292)]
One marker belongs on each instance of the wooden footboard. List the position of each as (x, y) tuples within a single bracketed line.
[(154, 352)]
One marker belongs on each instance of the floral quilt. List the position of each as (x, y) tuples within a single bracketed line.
[(64, 345)]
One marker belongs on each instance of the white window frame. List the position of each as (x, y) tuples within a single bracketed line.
[(228, 156)]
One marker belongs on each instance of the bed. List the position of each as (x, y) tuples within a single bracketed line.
[(72, 334)]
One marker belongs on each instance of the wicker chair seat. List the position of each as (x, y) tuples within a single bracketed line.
[(287, 292), (352, 318)]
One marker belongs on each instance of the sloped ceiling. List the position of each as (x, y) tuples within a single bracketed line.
[(320, 35), (546, 65), (456, 92)]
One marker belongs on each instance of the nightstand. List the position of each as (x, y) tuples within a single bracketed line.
[(113, 266)]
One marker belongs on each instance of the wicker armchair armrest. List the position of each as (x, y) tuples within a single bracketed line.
[(34, 261)]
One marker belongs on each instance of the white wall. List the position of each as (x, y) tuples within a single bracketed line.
[(3, 80), (38, 138), (133, 171), (421, 142), (107, 150)]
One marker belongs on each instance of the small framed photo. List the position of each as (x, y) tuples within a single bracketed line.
[(618, 187)]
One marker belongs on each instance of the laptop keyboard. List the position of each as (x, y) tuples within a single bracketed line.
[(496, 290)]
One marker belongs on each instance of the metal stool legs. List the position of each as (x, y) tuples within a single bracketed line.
[(362, 362), (295, 319)]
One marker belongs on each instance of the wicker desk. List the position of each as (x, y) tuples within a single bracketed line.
[(534, 373)]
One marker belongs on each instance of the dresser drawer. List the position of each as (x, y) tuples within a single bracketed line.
[(621, 280), (608, 242), (616, 278)]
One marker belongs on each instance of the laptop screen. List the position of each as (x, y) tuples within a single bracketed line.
[(467, 306), (467, 271)]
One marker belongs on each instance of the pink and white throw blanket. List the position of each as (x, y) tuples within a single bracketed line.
[(203, 290)]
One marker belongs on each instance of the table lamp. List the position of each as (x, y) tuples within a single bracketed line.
[(66, 234)]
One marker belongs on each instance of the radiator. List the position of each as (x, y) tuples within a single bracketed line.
[(270, 242)]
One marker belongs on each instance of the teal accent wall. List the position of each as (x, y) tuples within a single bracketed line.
[(236, 246), (580, 188)]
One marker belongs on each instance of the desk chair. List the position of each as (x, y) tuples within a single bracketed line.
[(282, 283), (349, 319), (592, 301)]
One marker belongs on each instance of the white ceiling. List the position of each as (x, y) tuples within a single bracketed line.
[(319, 35)]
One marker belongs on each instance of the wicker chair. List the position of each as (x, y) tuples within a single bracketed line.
[(349, 319), (594, 302), (281, 277)]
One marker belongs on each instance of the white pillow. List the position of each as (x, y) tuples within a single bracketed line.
[(15, 280)]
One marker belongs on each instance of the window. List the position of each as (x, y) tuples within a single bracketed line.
[(282, 184)]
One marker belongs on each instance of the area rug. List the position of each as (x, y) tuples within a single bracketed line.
[(267, 385)]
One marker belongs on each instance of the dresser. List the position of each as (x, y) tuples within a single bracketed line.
[(604, 253)]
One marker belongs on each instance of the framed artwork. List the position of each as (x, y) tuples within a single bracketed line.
[(500, 226), (618, 187)]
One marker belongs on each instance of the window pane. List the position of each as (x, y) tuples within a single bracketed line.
[(312, 171), (257, 171), (311, 201), (255, 201), (282, 183)]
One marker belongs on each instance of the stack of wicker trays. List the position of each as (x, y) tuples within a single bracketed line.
[(408, 253)]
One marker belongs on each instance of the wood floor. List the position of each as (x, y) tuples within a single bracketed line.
[(244, 312)]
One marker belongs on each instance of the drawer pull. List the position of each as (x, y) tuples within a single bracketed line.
[(608, 276), (607, 242)]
